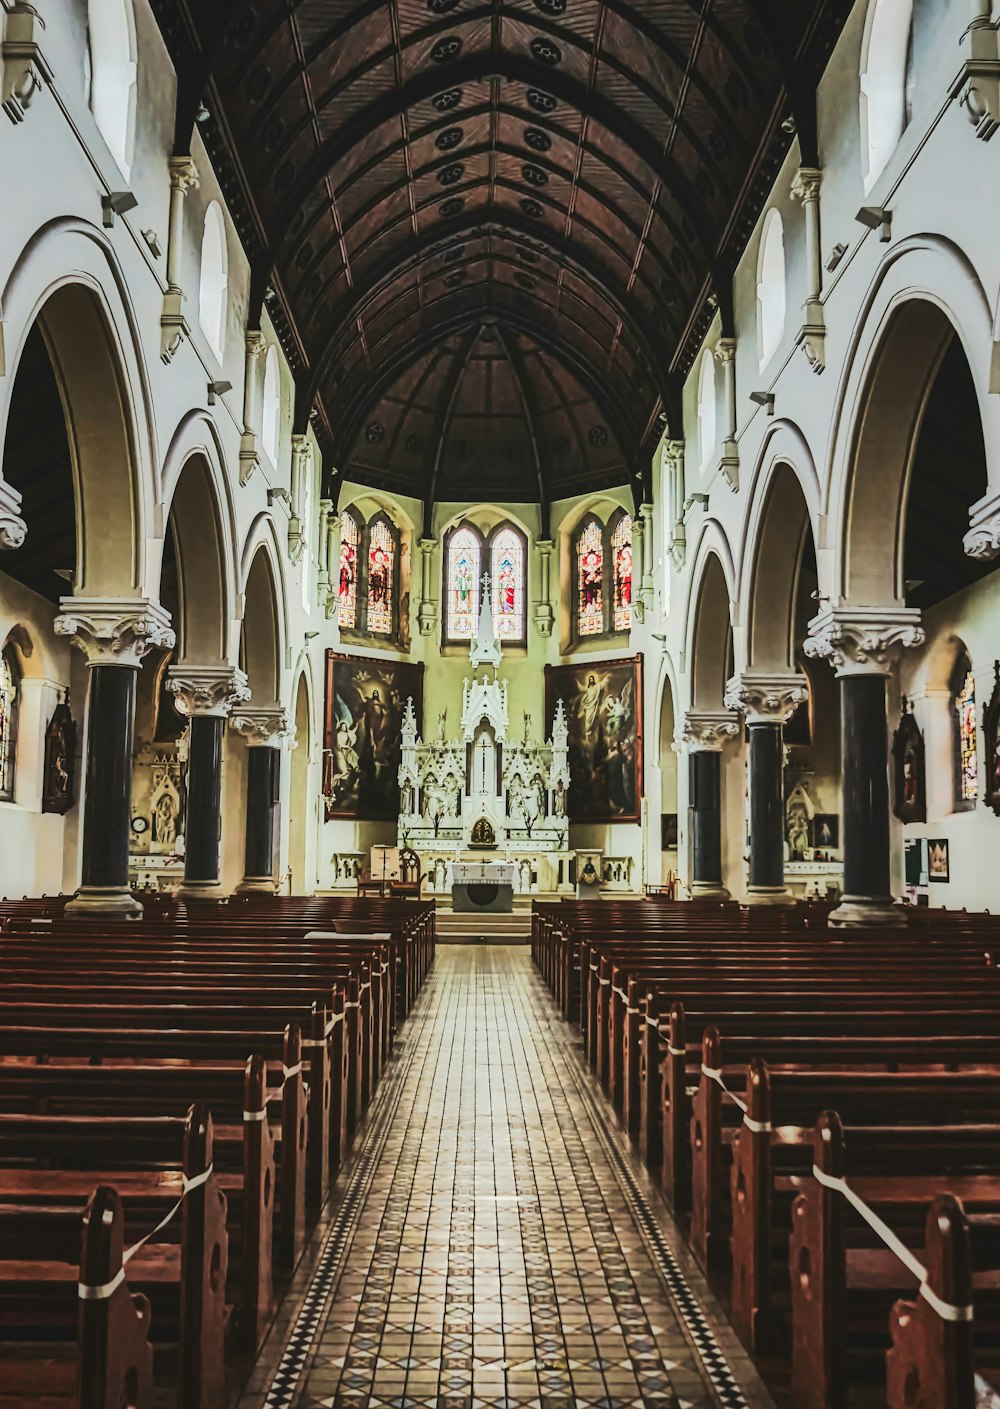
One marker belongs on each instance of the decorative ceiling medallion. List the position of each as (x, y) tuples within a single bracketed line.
[(534, 175), (453, 206), (442, 7), (597, 435), (537, 140), (546, 52), (525, 280), (414, 444), (448, 100), (527, 256), (551, 7), (374, 432), (448, 175), (449, 139), (446, 49), (541, 102), (453, 280), (453, 253), (532, 209)]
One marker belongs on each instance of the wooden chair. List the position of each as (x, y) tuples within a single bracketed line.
[(410, 877)]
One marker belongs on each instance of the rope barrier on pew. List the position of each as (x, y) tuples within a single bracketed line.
[(758, 1127), (101, 1293), (946, 1310), (288, 1073)]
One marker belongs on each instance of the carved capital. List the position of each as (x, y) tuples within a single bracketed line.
[(262, 728), (673, 456), (766, 699), (173, 325), (708, 729), (863, 640), (255, 344), (806, 184), (811, 336), (183, 174), (976, 87), (725, 350), (25, 71), (207, 689), (249, 456), (983, 538), (114, 630), (12, 527), (729, 465), (678, 544)]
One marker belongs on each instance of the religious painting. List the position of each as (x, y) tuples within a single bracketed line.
[(603, 703), (991, 745), (668, 831), (59, 772), (621, 564), (350, 548), (365, 701), (590, 579), (825, 831), (909, 776), (937, 860), (507, 559), (963, 691), (463, 568), (381, 576)]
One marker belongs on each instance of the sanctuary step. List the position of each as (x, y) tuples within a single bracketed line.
[(483, 928)]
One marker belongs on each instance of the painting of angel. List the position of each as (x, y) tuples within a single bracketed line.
[(365, 700), (603, 703)]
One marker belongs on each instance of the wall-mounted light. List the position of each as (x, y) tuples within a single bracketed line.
[(117, 203), (764, 398), (216, 389), (876, 217), (836, 255), (278, 492)]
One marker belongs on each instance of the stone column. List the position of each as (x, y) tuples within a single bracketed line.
[(863, 645), (811, 337), (263, 730), (254, 348), (205, 694), (301, 471), (333, 558), (649, 549), (638, 559), (173, 324), (673, 469), (323, 549), (705, 733), (725, 355), (427, 612), (544, 614), (114, 634), (768, 701)]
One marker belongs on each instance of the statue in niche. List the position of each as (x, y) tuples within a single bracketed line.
[(406, 800), (559, 802), (799, 811), (58, 791), (909, 775), (165, 821)]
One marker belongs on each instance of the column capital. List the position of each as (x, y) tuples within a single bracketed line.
[(207, 689), (806, 184), (427, 546), (983, 538), (544, 546), (863, 640), (708, 730), (766, 698), (673, 453), (183, 174), (254, 343), (263, 727), (12, 527), (114, 630), (725, 350)]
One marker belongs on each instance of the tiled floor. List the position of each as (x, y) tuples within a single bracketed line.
[(490, 1254)]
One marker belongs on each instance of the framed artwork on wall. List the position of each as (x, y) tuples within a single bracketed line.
[(603, 702), (991, 745), (826, 830), (59, 776), (938, 867), (364, 705), (668, 831), (909, 797)]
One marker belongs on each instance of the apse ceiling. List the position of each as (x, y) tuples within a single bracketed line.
[(492, 235)]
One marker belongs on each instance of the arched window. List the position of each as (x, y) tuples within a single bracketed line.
[(463, 570), (883, 96), (963, 699), (10, 695), (621, 573), (271, 415), (213, 294), (770, 288), (590, 578), (706, 408), (507, 578), (382, 545), (112, 75), (350, 553)]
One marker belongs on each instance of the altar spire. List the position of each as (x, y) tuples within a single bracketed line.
[(486, 648)]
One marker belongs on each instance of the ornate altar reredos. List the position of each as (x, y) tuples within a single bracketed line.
[(482, 794)]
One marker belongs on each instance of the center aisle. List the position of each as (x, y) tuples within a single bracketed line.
[(487, 1249)]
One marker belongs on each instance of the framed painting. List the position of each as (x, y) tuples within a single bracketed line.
[(938, 861), (603, 703), (365, 700), (908, 769), (826, 830)]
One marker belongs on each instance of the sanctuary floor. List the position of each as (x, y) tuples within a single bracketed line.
[(494, 1243)]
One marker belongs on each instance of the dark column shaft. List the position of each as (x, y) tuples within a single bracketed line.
[(767, 832), (866, 786), (706, 817), (108, 800), (204, 809), (262, 802)]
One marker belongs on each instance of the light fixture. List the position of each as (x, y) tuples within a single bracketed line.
[(153, 242), (311, 635), (117, 203), (216, 389), (764, 398), (789, 125), (876, 217), (202, 115), (278, 492), (836, 255)]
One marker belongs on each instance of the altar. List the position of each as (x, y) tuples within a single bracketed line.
[(484, 790), (482, 885)]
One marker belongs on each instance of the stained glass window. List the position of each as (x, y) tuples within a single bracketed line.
[(464, 569), (621, 564), (381, 560), (350, 543), (507, 576), (9, 694), (965, 725), (590, 579)]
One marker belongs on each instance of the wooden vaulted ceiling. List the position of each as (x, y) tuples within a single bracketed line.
[(557, 190)]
